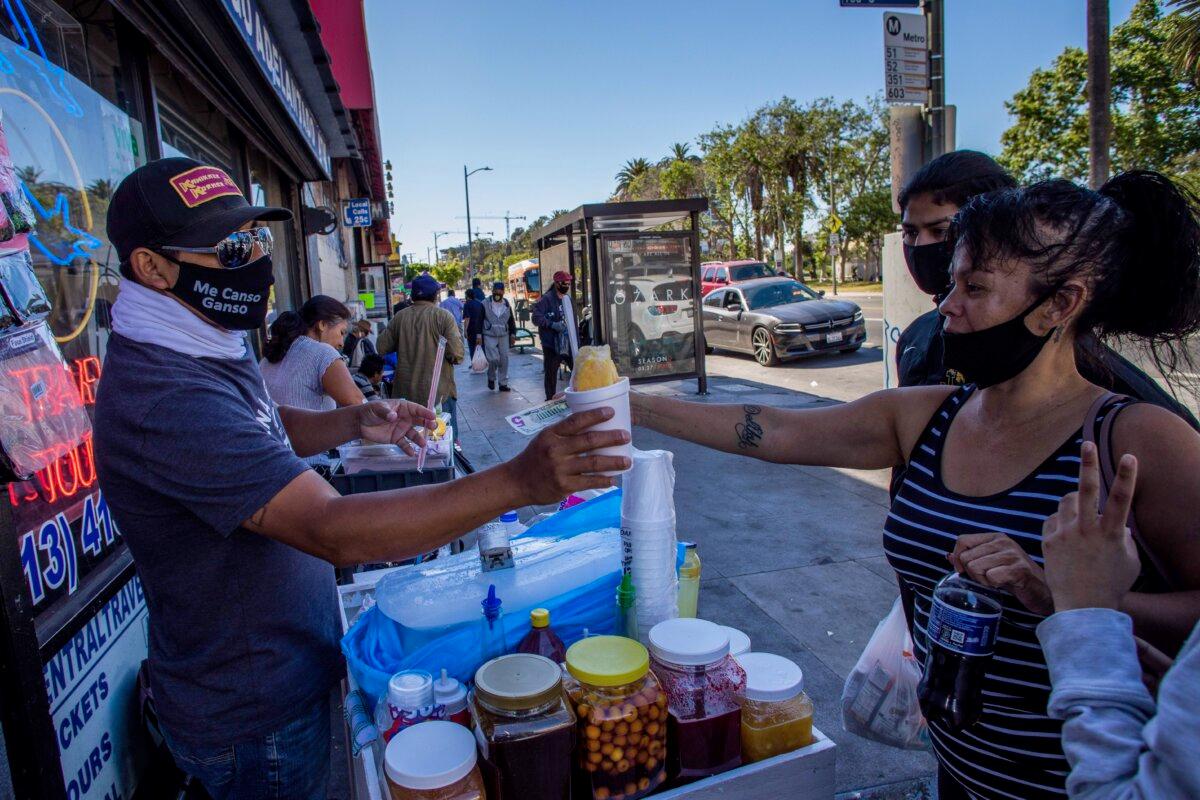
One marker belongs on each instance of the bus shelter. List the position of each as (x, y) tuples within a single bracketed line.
[(636, 271)]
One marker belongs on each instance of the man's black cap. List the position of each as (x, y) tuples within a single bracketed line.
[(181, 202)]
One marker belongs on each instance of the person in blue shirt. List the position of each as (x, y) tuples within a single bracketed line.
[(1120, 741), (234, 537)]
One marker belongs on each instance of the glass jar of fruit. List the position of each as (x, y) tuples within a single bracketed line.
[(704, 687), (621, 746)]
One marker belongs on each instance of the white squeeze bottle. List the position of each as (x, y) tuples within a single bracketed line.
[(689, 581)]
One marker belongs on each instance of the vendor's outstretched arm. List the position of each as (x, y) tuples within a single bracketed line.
[(311, 516), (874, 432)]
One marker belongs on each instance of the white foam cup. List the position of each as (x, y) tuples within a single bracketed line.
[(615, 397)]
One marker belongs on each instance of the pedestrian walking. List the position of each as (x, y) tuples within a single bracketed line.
[(369, 378), (499, 334), (413, 336), (552, 330), (1035, 272), (233, 536), (1121, 742), (473, 320)]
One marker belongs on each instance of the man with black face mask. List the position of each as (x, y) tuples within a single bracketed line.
[(928, 203), (552, 330), (233, 536)]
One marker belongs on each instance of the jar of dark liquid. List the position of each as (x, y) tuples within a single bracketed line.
[(704, 687), (524, 727), (621, 748)]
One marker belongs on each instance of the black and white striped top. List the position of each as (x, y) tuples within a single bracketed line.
[(1014, 751)]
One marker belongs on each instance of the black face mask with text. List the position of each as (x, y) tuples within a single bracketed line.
[(234, 299), (992, 355), (929, 265)]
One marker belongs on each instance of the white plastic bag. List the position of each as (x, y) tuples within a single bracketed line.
[(879, 700), (479, 361)]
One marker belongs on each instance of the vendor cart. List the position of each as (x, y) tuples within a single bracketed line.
[(805, 774)]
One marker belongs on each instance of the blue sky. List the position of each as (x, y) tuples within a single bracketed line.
[(555, 95)]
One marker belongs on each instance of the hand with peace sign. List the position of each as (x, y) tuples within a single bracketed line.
[(1091, 559)]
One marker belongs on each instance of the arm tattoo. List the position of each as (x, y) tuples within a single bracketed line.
[(750, 432)]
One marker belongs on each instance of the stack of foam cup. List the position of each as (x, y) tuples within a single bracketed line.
[(648, 536)]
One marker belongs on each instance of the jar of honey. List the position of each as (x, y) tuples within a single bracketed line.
[(433, 760), (621, 748), (776, 714), (525, 728), (704, 688)]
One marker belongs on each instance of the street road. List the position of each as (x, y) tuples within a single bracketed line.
[(841, 376)]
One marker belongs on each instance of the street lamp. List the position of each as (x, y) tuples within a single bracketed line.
[(437, 259), (467, 194)]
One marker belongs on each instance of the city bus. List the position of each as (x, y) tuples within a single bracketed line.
[(524, 287)]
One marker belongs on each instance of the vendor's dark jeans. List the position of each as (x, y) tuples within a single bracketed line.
[(289, 763)]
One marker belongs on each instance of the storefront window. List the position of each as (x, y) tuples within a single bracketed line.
[(190, 125), (66, 142), (648, 281), (268, 188)]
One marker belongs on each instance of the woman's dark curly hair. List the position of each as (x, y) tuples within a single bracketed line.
[(1136, 241)]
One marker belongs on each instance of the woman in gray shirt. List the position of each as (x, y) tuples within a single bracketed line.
[(301, 365)]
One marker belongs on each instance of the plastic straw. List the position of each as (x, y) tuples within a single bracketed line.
[(569, 318), (434, 379)]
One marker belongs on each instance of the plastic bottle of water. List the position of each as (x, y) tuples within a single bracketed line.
[(512, 524)]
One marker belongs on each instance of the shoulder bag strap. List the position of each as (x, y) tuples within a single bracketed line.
[(1108, 471)]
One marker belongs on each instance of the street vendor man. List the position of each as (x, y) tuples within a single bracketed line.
[(233, 536)]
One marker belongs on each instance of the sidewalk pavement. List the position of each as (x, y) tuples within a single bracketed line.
[(791, 555)]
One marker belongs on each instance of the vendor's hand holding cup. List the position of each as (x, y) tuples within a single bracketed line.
[(567, 458), (616, 398)]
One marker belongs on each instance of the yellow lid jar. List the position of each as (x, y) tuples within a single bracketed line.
[(621, 748)]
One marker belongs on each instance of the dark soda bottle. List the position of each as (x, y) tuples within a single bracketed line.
[(541, 640), (963, 622)]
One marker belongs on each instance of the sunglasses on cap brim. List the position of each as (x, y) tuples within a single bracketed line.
[(236, 249)]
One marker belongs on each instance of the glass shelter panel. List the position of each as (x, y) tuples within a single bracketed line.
[(649, 282)]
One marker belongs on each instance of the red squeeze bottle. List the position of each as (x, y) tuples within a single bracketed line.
[(541, 640)]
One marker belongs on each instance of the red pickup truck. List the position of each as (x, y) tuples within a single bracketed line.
[(715, 274)]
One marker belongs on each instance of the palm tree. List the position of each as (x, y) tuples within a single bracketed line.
[(101, 188), (680, 151), (1184, 43), (634, 168)]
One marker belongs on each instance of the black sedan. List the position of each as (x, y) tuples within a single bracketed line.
[(779, 318)]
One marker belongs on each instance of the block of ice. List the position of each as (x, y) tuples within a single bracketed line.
[(429, 599)]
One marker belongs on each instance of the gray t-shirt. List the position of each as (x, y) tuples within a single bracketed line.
[(296, 380), (243, 629)]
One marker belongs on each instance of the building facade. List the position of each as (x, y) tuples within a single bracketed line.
[(89, 90)]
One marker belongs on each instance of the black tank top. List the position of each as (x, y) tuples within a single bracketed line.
[(1014, 750)]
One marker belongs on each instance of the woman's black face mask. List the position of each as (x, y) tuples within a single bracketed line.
[(993, 355), (929, 265)]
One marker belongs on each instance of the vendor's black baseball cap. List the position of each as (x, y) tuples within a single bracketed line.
[(181, 202)]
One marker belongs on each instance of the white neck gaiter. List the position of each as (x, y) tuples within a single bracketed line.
[(151, 317)]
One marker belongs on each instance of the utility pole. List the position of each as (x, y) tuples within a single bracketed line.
[(935, 16), (467, 195), (1099, 92)]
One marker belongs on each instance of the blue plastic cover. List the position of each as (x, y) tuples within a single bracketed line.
[(373, 648)]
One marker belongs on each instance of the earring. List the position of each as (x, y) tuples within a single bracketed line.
[(1058, 334)]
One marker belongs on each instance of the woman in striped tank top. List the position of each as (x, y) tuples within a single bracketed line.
[(1035, 271)]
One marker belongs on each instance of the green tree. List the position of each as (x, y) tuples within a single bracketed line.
[(449, 272), (634, 169), (1184, 44), (1155, 106)]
